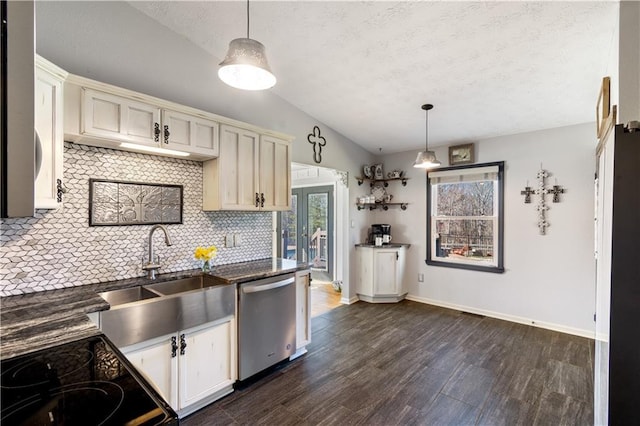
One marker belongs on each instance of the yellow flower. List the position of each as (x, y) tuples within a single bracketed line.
[(205, 253)]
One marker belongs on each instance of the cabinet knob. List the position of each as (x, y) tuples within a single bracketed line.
[(257, 200), (262, 199), (156, 132), (183, 344)]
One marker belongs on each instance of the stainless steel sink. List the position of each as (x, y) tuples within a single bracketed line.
[(160, 309), (168, 288), (127, 295)]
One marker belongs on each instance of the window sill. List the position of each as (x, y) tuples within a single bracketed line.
[(493, 269)]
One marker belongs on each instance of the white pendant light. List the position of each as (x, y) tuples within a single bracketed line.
[(246, 66), (426, 159)]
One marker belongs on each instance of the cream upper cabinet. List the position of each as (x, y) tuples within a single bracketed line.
[(103, 115), (49, 128), (118, 118), (381, 273), (251, 174), (275, 173), (186, 132)]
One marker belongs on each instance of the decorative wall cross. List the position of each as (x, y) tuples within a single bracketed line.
[(318, 142), (541, 191)]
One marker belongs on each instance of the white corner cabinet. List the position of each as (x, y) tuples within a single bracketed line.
[(103, 115), (252, 173), (303, 312), (50, 134), (381, 273), (191, 368)]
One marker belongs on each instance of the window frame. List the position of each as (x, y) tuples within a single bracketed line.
[(499, 268)]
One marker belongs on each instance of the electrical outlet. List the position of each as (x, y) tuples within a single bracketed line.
[(228, 240), (237, 240), (420, 278)]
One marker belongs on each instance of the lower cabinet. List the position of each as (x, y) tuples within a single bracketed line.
[(191, 368), (303, 312), (381, 273)]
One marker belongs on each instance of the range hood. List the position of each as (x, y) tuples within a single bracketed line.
[(17, 153)]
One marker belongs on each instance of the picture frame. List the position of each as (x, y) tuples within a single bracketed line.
[(603, 107), (461, 154), (118, 203)]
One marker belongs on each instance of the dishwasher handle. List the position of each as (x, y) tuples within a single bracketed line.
[(264, 287)]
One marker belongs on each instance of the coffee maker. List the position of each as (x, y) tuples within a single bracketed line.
[(380, 234)]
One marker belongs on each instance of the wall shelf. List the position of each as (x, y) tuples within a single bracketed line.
[(383, 206), (385, 181)]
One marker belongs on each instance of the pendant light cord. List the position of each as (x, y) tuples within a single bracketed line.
[(247, 18), (426, 133)]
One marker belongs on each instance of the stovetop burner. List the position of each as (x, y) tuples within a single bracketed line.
[(40, 370), (79, 383)]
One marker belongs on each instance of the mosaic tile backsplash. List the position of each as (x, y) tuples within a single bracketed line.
[(57, 248)]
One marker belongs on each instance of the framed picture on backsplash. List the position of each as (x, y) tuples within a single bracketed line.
[(120, 203)]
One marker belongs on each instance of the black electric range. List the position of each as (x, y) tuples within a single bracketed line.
[(87, 382)]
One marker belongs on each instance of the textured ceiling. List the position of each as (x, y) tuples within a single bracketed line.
[(365, 68)]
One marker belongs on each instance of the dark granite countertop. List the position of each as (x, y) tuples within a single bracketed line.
[(235, 273), (392, 245), (39, 320)]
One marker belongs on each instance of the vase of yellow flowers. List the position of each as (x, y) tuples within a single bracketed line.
[(205, 254)]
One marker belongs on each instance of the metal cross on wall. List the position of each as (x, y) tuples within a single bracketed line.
[(541, 191)]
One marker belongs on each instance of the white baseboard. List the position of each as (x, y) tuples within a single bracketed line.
[(520, 320), (351, 301)]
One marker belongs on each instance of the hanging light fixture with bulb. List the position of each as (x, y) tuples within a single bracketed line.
[(426, 159), (246, 66)]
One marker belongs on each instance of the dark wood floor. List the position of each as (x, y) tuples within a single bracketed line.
[(411, 363)]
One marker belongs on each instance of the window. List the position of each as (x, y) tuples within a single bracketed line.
[(465, 217)]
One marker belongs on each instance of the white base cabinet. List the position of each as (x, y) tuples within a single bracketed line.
[(191, 368), (303, 312), (381, 273)]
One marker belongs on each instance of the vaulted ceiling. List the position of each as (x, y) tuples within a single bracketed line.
[(365, 68)]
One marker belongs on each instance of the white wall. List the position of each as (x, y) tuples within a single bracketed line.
[(115, 43), (548, 279)]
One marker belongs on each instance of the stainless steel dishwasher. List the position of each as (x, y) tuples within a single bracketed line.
[(266, 323)]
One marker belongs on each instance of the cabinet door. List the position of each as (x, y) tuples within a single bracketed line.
[(189, 133), (49, 125), (385, 272), (155, 362), (238, 168), (303, 309), (118, 118), (275, 173), (208, 363)]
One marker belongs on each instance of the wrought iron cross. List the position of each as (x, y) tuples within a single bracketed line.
[(556, 191), (318, 142), (527, 194), (541, 191)]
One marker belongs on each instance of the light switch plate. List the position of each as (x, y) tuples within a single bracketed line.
[(228, 240), (237, 240)]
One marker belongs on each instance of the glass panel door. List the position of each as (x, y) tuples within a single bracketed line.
[(306, 231)]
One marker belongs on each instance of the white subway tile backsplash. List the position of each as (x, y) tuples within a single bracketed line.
[(58, 249)]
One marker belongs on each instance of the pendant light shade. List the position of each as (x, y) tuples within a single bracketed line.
[(426, 159), (246, 66)]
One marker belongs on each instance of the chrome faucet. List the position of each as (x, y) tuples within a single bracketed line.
[(152, 266)]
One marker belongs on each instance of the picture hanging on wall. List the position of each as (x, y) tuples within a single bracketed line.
[(114, 202)]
